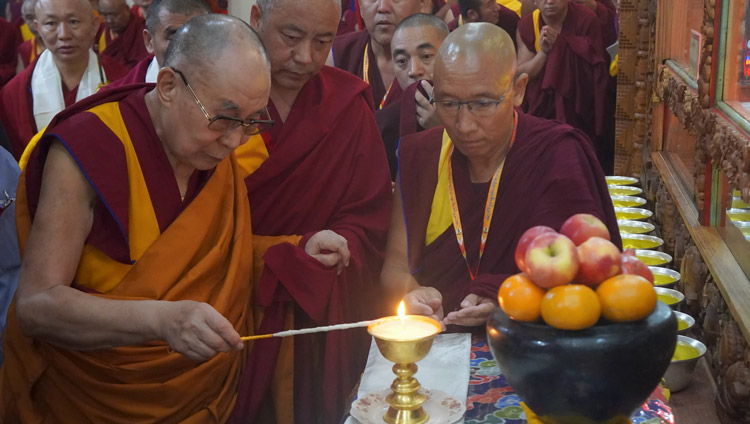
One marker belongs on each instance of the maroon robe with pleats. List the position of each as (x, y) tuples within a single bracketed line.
[(550, 174), (326, 170), (17, 107), (348, 54), (575, 90), (127, 48), (9, 40)]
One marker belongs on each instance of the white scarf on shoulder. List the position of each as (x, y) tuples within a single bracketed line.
[(46, 87)]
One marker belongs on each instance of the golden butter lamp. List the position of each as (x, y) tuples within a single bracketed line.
[(404, 340)]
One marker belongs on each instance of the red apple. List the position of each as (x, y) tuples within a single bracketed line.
[(598, 259), (524, 242), (582, 226), (551, 260), (632, 265)]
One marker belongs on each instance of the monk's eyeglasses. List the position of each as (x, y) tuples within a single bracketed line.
[(227, 124), (481, 108)]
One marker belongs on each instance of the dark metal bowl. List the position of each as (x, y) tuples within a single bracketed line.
[(585, 376)]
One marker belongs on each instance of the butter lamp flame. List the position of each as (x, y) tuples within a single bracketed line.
[(404, 340)]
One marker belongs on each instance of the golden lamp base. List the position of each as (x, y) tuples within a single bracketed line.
[(405, 401)]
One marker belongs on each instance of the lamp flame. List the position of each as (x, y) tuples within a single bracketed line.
[(401, 310)]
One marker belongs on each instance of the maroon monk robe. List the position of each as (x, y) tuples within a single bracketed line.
[(9, 40), (397, 120), (16, 106), (606, 11), (575, 90), (550, 174), (127, 48), (327, 170), (110, 178), (348, 54), (137, 75)]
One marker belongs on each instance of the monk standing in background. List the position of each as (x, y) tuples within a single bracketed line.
[(140, 8), (486, 11), (166, 17), (414, 49), (320, 205), (122, 36), (66, 72), (367, 53), (135, 230), (9, 40), (30, 49), (560, 48), (490, 169)]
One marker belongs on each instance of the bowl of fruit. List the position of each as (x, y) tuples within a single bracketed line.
[(579, 334)]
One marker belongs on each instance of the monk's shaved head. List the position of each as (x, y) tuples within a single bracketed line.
[(268, 6), (203, 40), (477, 45), (160, 8), (45, 5), (424, 19)]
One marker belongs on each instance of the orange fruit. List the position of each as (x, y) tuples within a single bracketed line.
[(571, 307), (626, 297), (520, 298)]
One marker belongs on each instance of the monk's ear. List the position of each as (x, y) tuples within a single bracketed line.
[(94, 27), (519, 89), (255, 17), (148, 40), (167, 84), (472, 15)]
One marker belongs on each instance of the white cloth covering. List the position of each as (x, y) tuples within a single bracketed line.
[(46, 87), (153, 71)]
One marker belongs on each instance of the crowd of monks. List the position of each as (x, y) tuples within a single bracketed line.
[(174, 179)]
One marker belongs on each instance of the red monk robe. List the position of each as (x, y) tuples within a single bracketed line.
[(349, 54), (9, 40), (127, 48), (397, 120), (606, 11), (575, 89), (29, 50), (16, 104), (167, 249), (137, 75), (326, 170), (550, 173)]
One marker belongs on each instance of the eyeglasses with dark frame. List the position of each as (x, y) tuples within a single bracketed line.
[(227, 124), (482, 108)]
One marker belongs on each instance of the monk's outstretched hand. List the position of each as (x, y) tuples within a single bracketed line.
[(197, 330), (425, 301), (331, 249), (475, 310)]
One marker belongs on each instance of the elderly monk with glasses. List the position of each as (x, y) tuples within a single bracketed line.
[(134, 223), (467, 191)]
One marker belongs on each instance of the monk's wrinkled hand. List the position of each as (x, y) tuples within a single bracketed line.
[(197, 331), (426, 115), (475, 310), (425, 301), (330, 249)]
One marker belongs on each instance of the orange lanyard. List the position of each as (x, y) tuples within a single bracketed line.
[(489, 207), (366, 75)]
